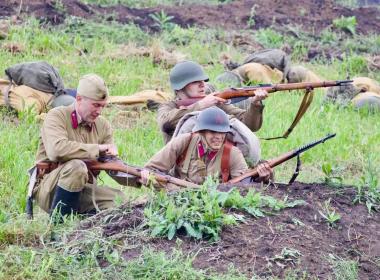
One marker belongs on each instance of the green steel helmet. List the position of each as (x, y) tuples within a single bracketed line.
[(230, 79), (186, 72), (62, 100), (213, 119)]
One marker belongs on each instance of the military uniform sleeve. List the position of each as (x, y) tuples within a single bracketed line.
[(168, 115), (252, 118), (166, 158), (57, 145), (238, 164)]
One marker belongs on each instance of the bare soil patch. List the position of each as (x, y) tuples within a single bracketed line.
[(296, 238), (311, 15)]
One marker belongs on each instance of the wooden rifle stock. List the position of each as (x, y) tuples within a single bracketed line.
[(118, 165), (278, 160), (245, 92)]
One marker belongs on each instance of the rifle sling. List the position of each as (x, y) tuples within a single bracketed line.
[(306, 101), (297, 171)]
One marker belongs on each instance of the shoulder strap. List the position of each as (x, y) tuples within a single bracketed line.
[(184, 157), (225, 162)]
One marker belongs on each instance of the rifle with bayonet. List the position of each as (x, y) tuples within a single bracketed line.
[(278, 160), (238, 94)]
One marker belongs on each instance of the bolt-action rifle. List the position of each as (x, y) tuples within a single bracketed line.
[(252, 173), (238, 94), (114, 164), (241, 93)]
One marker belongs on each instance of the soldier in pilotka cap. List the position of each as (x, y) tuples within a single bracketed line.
[(70, 134)]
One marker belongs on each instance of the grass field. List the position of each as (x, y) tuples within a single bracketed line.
[(25, 250)]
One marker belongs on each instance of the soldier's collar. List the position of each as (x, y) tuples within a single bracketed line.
[(203, 150), (76, 121)]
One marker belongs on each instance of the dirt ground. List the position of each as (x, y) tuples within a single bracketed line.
[(311, 15), (256, 246)]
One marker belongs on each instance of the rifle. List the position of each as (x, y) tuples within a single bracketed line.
[(114, 164), (285, 157), (238, 94)]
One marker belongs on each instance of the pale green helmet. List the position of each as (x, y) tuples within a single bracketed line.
[(62, 100), (214, 119), (186, 72)]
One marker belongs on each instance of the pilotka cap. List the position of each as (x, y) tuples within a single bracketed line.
[(92, 86)]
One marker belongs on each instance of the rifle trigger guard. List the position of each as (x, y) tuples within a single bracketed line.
[(297, 171)]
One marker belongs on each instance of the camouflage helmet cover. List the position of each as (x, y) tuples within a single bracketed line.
[(186, 72), (214, 119)]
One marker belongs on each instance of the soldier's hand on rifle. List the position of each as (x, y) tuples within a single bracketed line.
[(108, 150), (211, 100), (265, 171), (144, 176), (260, 94)]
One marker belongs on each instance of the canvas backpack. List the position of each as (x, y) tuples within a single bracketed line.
[(39, 75)]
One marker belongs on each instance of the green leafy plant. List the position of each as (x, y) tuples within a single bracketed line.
[(368, 189), (346, 24), (331, 177), (199, 213), (329, 214), (163, 21), (287, 255)]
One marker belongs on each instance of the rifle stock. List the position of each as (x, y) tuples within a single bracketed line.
[(245, 92), (281, 159), (118, 165)]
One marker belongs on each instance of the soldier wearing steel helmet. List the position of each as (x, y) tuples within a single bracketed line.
[(206, 151), (70, 134), (188, 79)]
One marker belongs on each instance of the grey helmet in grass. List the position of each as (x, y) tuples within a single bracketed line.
[(230, 79), (213, 119), (186, 72), (62, 100)]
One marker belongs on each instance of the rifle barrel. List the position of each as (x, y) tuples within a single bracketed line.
[(285, 157)]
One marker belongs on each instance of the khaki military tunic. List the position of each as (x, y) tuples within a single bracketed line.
[(169, 114), (194, 167), (66, 140)]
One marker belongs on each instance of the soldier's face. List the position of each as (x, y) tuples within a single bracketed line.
[(90, 109), (195, 89), (214, 139)]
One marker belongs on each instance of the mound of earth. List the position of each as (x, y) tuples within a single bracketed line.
[(296, 238), (311, 15)]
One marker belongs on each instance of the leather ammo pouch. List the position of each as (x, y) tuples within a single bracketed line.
[(45, 167)]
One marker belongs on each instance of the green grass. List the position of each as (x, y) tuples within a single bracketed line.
[(81, 47)]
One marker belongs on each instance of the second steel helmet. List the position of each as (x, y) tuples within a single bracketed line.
[(186, 72), (62, 100), (213, 119)]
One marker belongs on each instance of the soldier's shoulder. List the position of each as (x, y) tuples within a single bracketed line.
[(57, 112)]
